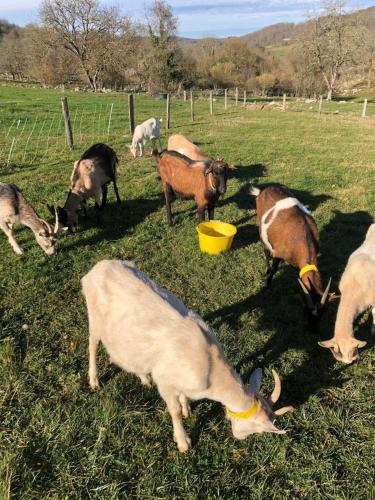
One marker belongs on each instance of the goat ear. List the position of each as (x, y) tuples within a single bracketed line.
[(333, 296), (359, 343), (232, 167), (330, 344), (255, 381)]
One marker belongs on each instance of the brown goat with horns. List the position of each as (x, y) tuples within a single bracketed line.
[(289, 232), (202, 181)]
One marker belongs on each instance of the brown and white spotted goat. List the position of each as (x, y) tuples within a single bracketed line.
[(202, 181), (289, 232), (90, 178)]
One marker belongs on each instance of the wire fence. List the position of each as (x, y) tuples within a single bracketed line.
[(30, 137)]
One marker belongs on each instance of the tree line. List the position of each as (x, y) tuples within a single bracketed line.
[(86, 43)]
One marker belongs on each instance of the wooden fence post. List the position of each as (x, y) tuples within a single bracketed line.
[(184, 95), (364, 108), (110, 119), (320, 104), (131, 113), (284, 102), (236, 96), (191, 105), (68, 125), (244, 97), (168, 122), (211, 104), (226, 99)]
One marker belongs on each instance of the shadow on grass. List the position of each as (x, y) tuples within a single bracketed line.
[(340, 237), (117, 220)]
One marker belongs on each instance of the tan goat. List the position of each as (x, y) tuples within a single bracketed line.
[(179, 143), (148, 331), (357, 287)]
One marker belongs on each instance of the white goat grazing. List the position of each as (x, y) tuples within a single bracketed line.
[(147, 330), (357, 287), (14, 208), (148, 130)]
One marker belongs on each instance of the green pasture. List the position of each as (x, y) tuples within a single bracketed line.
[(60, 440)]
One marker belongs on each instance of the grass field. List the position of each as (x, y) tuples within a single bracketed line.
[(59, 440)]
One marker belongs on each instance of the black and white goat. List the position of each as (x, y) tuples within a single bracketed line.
[(90, 178)]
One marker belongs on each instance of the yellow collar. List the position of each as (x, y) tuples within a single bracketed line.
[(245, 414), (306, 269)]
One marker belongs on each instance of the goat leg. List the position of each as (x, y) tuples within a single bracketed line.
[(168, 195), (211, 211), (201, 213), (267, 257), (116, 191), (84, 208), (104, 195), (272, 270), (8, 231)]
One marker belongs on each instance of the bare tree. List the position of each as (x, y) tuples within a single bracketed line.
[(12, 54), (162, 29), (330, 43), (87, 30), (367, 53)]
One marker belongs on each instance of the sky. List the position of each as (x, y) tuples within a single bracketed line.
[(199, 18)]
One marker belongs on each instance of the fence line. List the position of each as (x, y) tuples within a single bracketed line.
[(30, 139)]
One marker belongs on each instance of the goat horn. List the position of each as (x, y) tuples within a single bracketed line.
[(283, 410), (306, 292), (325, 294), (277, 389), (56, 228)]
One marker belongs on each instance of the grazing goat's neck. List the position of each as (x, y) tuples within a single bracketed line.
[(225, 385), (29, 217), (346, 314), (73, 202)]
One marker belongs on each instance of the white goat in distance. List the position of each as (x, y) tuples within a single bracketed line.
[(14, 208), (148, 130), (357, 287), (147, 330)]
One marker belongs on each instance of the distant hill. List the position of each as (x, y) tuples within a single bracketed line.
[(282, 33), (274, 34)]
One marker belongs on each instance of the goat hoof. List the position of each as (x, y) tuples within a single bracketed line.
[(94, 383), (183, 445)]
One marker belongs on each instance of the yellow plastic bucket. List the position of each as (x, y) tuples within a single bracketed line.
[(215, 236)]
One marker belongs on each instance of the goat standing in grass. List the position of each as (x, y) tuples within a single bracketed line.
[(14, 208), (202, 181), (289, 232), (148, 331), (148, 130), (90, 178), (357, 287)]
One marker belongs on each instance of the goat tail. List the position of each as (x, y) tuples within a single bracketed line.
[(254, 191)]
